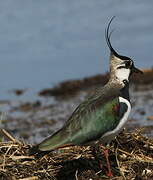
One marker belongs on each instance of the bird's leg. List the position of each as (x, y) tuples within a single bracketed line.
[(100, 164), (105, 151), (95, 150)]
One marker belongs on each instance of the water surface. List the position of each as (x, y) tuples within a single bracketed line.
[(45, 42)]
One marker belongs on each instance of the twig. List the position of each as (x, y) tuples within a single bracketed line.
[(127, 153), (76, 174), (9, 136), (21, 157), (5, 157), (122, 173), (30, 178)]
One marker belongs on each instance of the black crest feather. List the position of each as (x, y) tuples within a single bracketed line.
[(108, 36)]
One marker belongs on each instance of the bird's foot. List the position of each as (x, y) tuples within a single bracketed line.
[(109, 174)]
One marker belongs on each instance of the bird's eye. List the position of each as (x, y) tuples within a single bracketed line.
[(128, 64), (125, 81)]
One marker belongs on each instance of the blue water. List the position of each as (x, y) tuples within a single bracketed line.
[(45, 42)]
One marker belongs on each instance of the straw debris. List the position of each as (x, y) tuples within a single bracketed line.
[(130, 155)]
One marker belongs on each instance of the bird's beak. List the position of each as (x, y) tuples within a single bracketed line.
[(136, 70)]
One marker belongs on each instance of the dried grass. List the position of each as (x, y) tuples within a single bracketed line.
[(131, 157)]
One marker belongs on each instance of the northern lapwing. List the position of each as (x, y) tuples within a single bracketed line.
[(101, 116)]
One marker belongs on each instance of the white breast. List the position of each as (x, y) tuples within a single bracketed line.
[(110, 135)]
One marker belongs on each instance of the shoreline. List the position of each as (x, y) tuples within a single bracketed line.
[(35, 120)]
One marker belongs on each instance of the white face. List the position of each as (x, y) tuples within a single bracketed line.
[(122, 74)]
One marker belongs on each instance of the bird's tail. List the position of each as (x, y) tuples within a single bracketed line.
[(57, 140)]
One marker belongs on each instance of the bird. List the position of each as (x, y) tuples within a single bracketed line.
[(100, 117)]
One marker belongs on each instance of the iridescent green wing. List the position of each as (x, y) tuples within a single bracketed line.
[(89, 121), (98, 119)]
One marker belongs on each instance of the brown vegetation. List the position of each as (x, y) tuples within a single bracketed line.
[(131, 157)]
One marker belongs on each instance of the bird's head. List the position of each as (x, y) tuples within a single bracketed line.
[(121, 67)]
